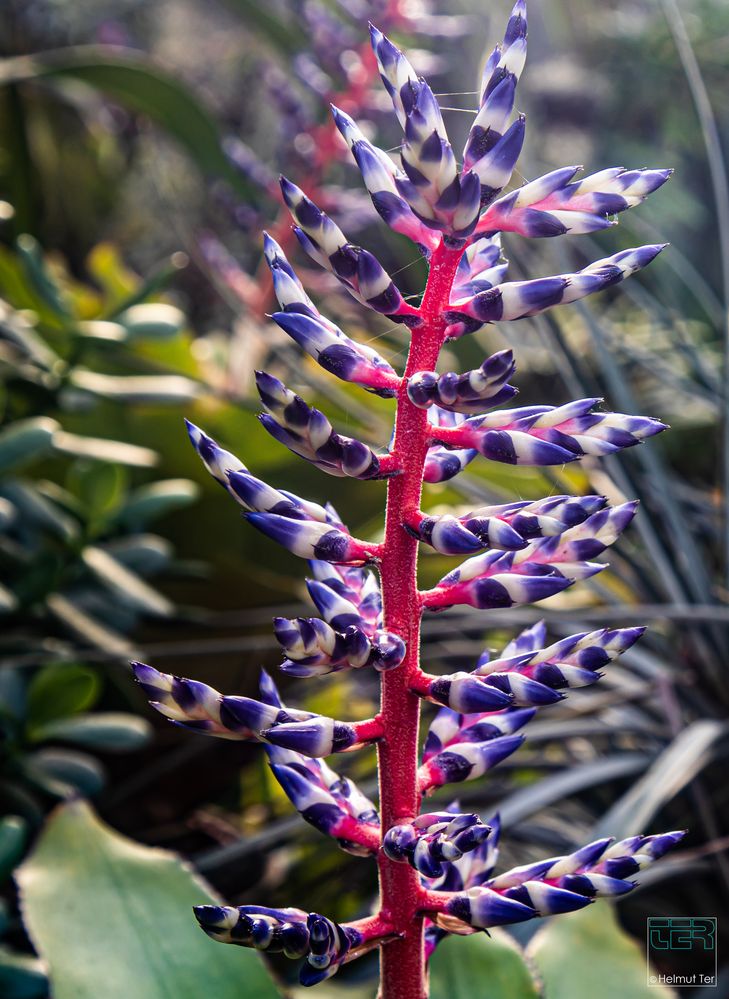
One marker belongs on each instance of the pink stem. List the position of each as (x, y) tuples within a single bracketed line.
[(402, 961)]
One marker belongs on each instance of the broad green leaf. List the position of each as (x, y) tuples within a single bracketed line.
[(479, 966), (587, 953), (25, 440), (13, 834), (60, 690), (39, 510), (109, 731), (113, 918), (146, 554), (21, 976), (102, 330), (31, 256), (133, 80)]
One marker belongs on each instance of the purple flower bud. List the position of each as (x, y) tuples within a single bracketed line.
[(466, 761), (357, 269), (314, 648), (471, 392), (483, 908), (309, 539), (194, 705), (381, 176), (332, 804), (308, 433), (547, 435), (430, 839), (555, 204), (517, 299), (481, 267), (443, 463), (319, 736)]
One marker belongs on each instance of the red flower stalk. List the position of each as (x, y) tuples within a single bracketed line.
[(435, 871)]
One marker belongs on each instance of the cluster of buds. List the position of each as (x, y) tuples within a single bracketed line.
[(437, 868)]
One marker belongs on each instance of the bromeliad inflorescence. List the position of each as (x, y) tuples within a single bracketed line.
[(436, 868)]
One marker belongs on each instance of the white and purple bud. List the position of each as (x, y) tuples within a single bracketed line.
[(314, 648), (481, 267), (332, 804), (357, 269), (253, 494), (508, 526), (556, 204), (434, 838), (308, 433), (517, 299), (547, 435), (498, 88), (470, 392), (312, 540), (441, 463), (381, 177), (317, 736), (194, 705), (465, 761), (275, 930), (602, 868)]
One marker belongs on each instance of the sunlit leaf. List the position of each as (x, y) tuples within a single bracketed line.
[(466, 967), (587, 953), (114, 918)]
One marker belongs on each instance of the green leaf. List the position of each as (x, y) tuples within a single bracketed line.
[(161, 389), (59, 690), (13, 835), (73, 617), (25, 440), (64, 772), (587, 953), (125, 584), (158, 499), (152, 321), (99, 486), (21, 976), (112, 918), (109, 731), (134, 81), (101, 449), (490, 968)]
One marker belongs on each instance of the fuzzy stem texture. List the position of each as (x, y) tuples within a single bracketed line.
[(403, 973)]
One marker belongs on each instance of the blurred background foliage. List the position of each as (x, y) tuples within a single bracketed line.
[(139, 149)]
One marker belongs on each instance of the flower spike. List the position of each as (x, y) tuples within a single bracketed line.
[(194, 705), (471, 392), (545, 567), (332, 804), (560, 884), (547, 435), (498, 89), (381, 178), (253, 494), (556, 204), (466, 761), (314, 648), (433, 188), (322, 339), (307, 432), (294, 932), (509, 526), (432, 838), (517, 299), (357, 269)]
